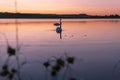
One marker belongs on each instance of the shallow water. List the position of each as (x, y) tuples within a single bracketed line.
[(94, 43)]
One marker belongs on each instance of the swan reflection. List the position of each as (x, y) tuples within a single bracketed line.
[(59, 28)]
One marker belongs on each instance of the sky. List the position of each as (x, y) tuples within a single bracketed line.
[(92, 7)]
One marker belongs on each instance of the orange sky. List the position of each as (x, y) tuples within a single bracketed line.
[(99, 7)]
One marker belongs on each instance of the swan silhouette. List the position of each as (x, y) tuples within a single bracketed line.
[(59, 28), (58, 23)]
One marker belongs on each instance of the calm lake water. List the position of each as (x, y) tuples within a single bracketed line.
[(94, 43)]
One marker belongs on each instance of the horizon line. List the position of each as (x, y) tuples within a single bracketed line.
[(62, 14)]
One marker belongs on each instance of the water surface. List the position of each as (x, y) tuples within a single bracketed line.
[(94, 43)]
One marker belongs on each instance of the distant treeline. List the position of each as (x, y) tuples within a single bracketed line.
[(67, 16)]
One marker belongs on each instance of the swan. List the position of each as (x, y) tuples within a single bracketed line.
[(58, 23)]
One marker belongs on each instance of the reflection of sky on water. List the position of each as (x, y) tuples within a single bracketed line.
[(94, 43)]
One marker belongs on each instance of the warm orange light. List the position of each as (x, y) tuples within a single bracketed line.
[(62, 6)]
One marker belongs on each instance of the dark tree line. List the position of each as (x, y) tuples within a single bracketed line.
[(28, 15)]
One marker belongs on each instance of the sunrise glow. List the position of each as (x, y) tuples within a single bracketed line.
[(93, 7)]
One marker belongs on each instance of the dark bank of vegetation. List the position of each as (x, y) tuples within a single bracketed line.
[(53, 66), (66, 16)]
